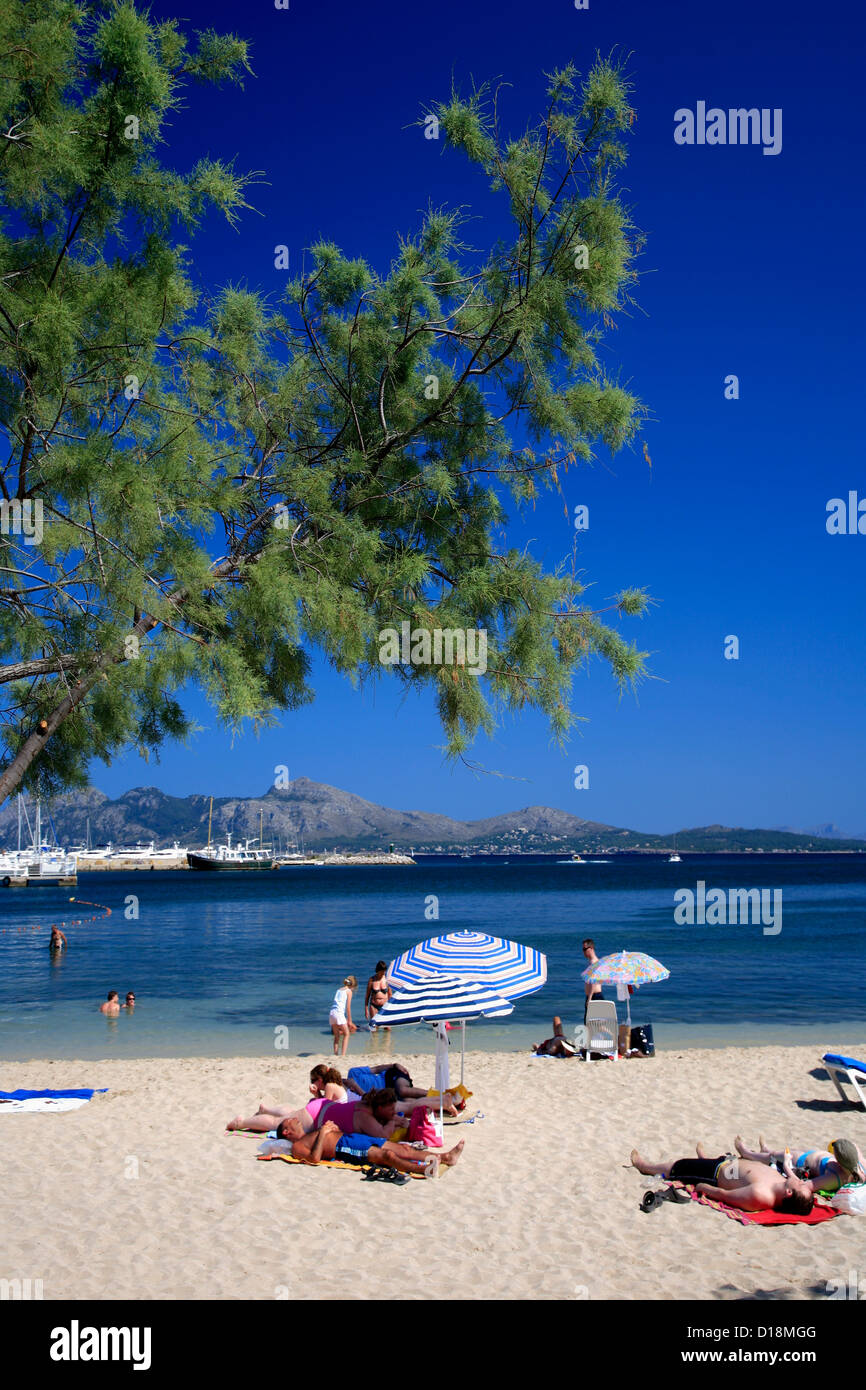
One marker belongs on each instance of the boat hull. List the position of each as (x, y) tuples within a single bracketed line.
[(201, 861)]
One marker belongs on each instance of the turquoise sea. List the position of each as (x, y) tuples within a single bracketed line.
[(218, 962)]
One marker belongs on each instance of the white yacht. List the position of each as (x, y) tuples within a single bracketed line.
[(229, 856), (40, 862)]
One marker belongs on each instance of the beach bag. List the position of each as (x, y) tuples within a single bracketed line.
[(850, 1199), (642, 1040), (422, 1129)]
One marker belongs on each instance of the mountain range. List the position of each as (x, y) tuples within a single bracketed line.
[(317, 816)]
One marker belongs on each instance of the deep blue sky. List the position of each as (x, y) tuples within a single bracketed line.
[(753, 266)]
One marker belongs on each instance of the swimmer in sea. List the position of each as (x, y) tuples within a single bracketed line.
[(58, 941)]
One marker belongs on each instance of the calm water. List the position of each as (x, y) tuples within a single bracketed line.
[(219, 961)]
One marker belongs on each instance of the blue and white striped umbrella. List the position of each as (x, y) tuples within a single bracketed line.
[(504, 966), (438, 998)]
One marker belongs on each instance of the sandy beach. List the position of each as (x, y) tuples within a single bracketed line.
[(140, 1195)]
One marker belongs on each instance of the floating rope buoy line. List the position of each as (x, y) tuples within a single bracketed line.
[(74, 921)]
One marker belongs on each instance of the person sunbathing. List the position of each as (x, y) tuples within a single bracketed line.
[(375, 1114), (738, 1182), (325, 1085), (557, 1046), (824, 1170), (329, 1142), (270, 1115), (391, 1075)]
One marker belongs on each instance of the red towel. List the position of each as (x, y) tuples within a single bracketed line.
[(759, 1218)]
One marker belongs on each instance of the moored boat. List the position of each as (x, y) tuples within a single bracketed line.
[(228, 856)]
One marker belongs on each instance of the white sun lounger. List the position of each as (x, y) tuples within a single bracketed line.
[(839, 1072), (602, 1028)]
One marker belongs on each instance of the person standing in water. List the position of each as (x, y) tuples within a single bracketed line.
[(58, 941), (378, 993), (594, 993), (340, 1017)]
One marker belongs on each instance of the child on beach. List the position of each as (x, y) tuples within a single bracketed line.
[(340, 1016)]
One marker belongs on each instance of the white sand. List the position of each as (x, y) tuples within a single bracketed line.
[(543, 1203)]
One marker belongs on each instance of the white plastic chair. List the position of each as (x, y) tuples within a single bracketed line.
[(602, 1028), (856, 1078)]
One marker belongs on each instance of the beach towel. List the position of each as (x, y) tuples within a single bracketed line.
[(837, 1060), (758, 1218), (23, 1101), (325, 1163)]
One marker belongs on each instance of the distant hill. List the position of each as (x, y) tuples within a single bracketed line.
[(318, 816), (826, 832)]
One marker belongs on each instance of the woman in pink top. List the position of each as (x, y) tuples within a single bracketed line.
[(375, 1115)]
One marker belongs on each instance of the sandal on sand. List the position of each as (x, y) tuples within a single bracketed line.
[(652, 1200), (396, 1179), (374, 1175)]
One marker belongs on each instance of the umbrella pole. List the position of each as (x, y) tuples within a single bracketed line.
[(442, 1047), (462, 1048)]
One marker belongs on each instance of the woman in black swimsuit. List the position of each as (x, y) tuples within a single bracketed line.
[(378, 991)]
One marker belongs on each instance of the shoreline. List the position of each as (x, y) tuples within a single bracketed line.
[(818, 1037), (421, 1059), (543, 1204)]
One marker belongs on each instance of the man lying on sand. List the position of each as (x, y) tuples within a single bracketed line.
[(557, 1046), (824, 1170), (738, 1182), (396, 1078), (330, 1142)]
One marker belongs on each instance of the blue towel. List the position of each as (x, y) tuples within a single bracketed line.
[(837, 1060), (55, 1095)]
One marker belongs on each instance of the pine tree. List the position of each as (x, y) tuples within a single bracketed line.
[(202, 488)]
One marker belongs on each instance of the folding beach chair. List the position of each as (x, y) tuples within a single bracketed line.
[(847, 1069), (602, 1028)]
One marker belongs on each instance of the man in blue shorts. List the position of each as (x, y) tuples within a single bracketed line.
[(330, 1143)]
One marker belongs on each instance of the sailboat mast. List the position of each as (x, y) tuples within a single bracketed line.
[(209, 816)]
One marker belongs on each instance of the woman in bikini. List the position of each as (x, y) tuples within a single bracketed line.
[(825, 1169), (378, 993)]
